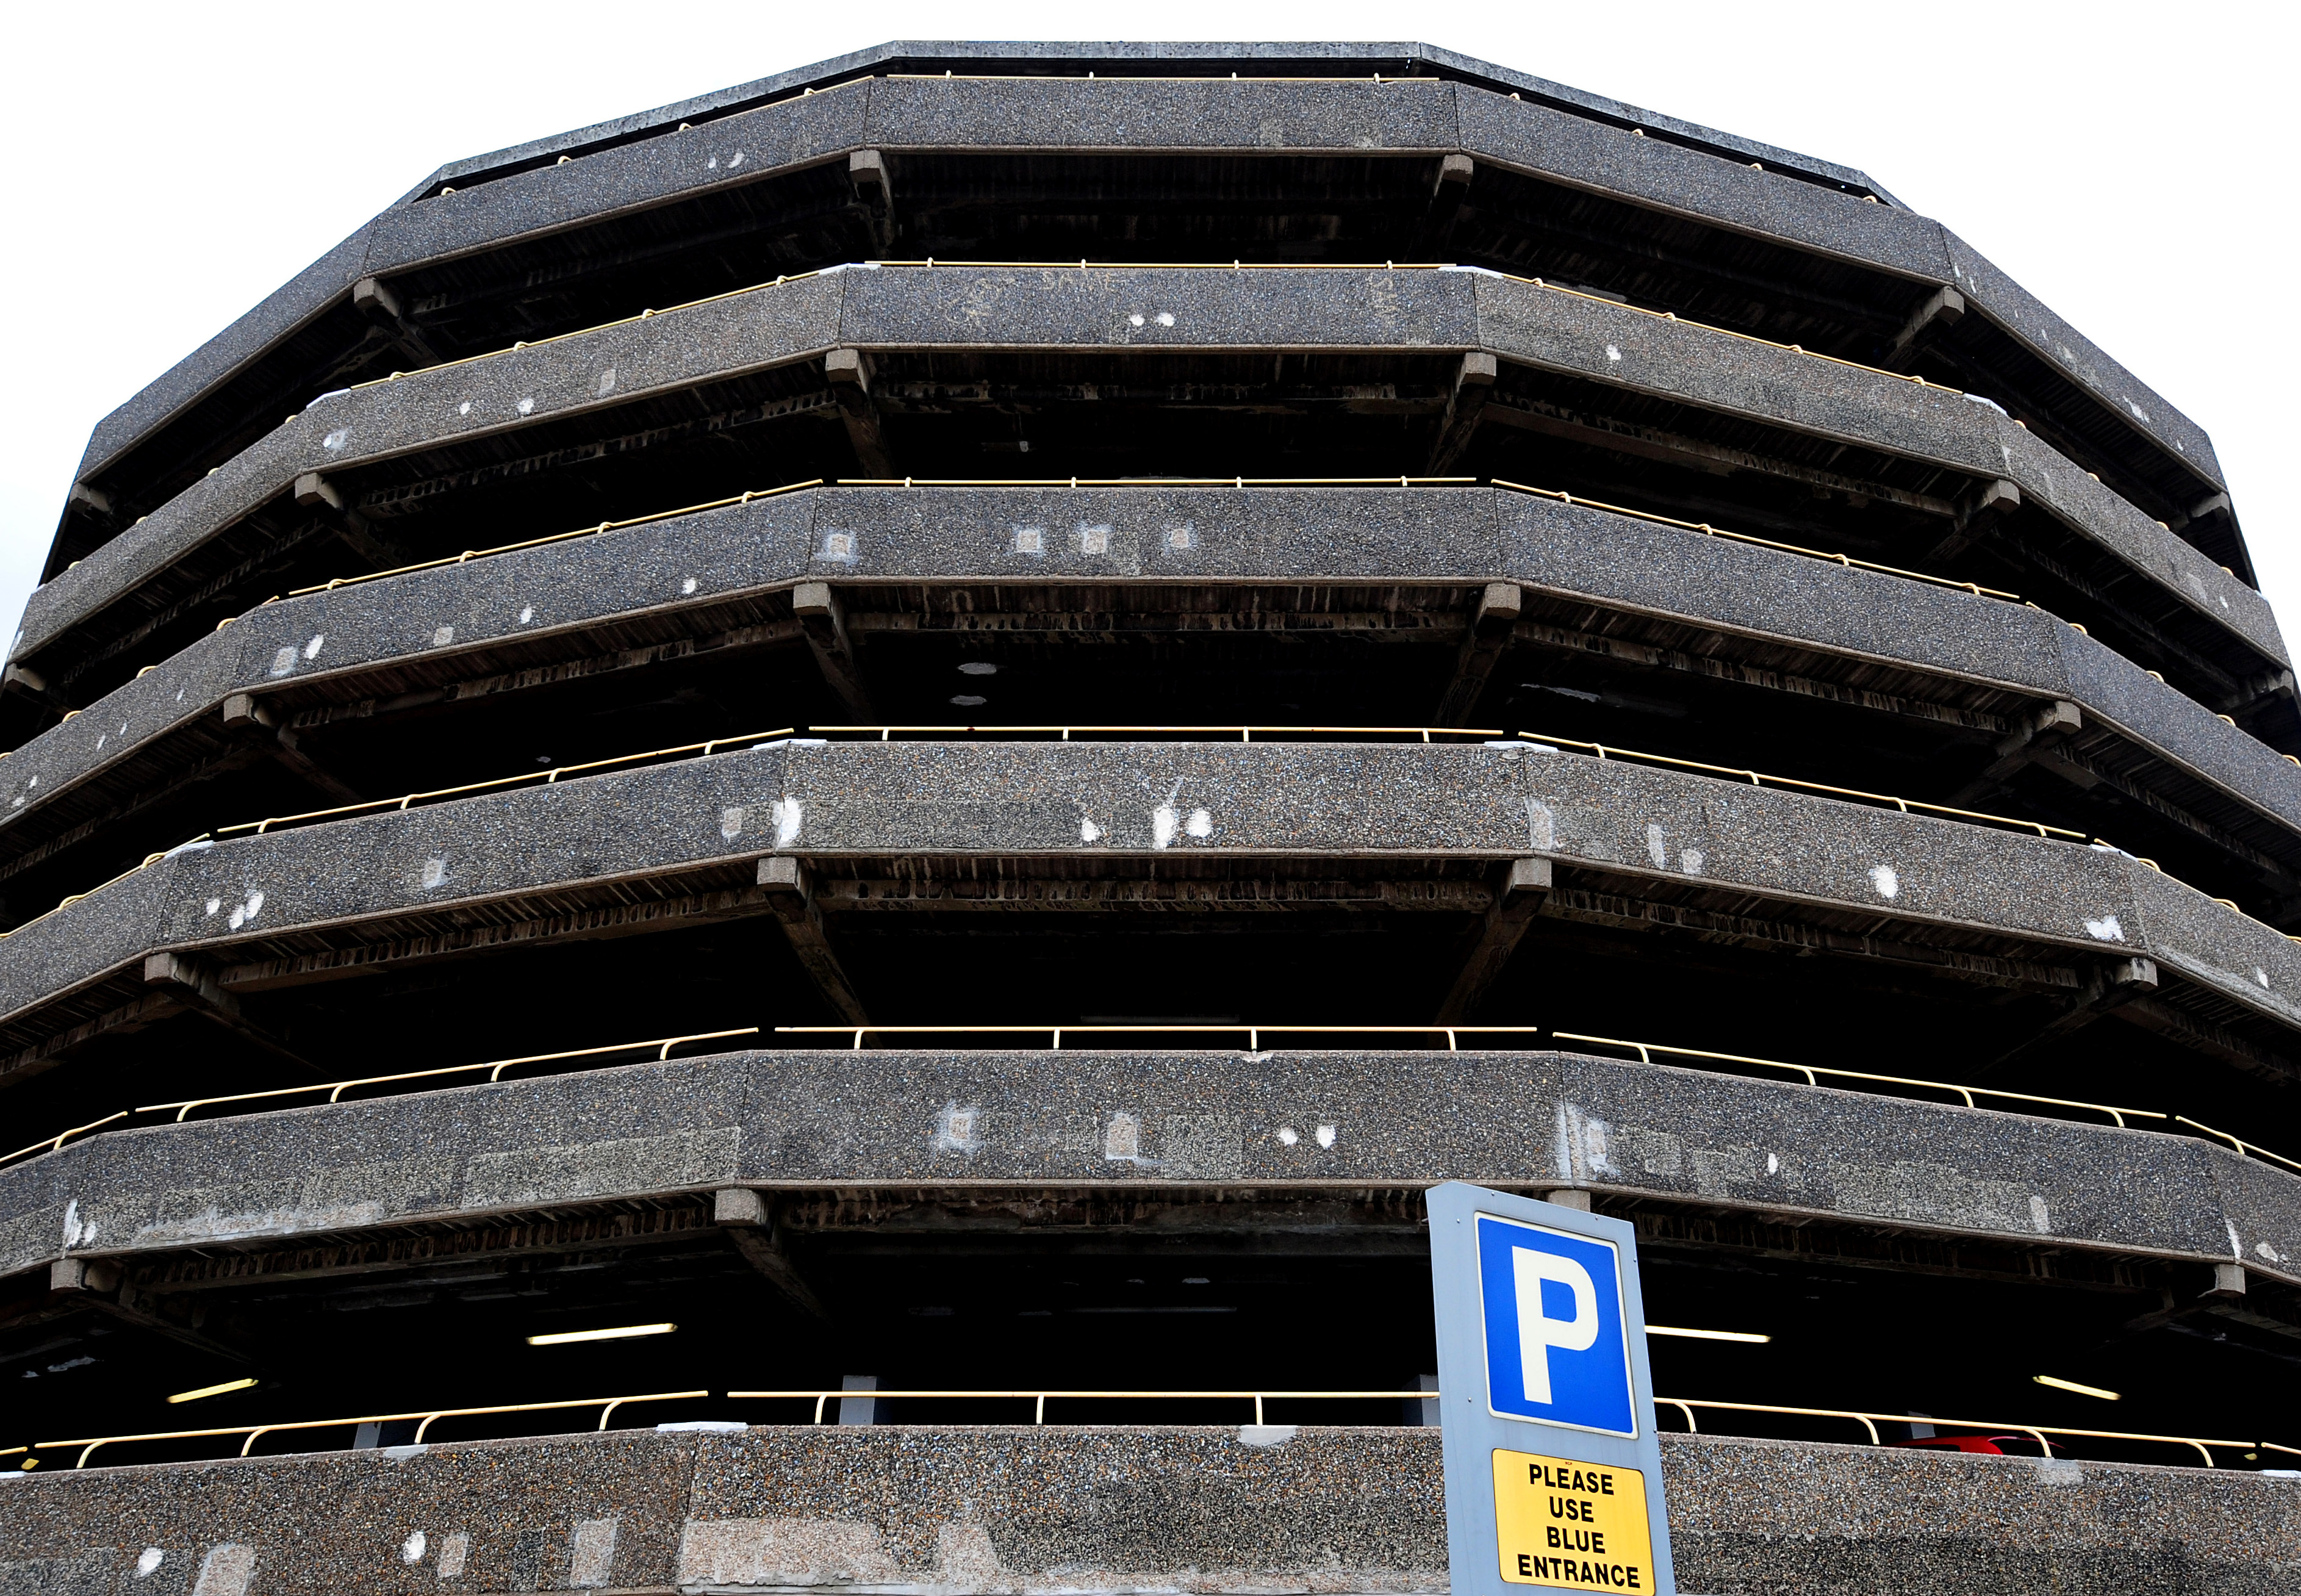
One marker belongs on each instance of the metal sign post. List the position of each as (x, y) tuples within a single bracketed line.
[(1553, 1474)]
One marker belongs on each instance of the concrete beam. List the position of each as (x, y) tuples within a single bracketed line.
[(313, 491), (848, 372), (1524, 888), (787, 886), (282, 743), (866, 169), (823, 619), (2109, 986), (1943, 308), (2042, 730), (750, 1224), (1975, 519), (376, 300), (192, 984), (1474, 384), (1492, 625)]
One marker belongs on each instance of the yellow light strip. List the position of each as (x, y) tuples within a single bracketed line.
[(1709, 1336), (2083, 1390), (621, 1332), (211, 1391)]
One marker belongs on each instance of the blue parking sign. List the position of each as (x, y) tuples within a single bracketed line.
[(1555, 1351), (1553, 1467)]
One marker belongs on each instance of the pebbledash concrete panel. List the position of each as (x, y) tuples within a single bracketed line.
[(1115, 309), (978, 1510), (1195, 114), (860, 536), (1280, 1123), (1410, 803)]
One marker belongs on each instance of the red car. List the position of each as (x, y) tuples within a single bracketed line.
[(1996, 1446)]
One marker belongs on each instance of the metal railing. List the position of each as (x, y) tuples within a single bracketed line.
[(336, 1088), (1646, 1051), (428, 1415), (931, 264), (1869, 1421), (1040, 1399), (1253, 1032), (541, 778), (1813, 1074), (1101, 483)]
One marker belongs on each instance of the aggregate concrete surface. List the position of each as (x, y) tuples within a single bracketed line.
[(1395, 801), (1277, 1122), (1115, 308), (863, 536), (1120, 113), (1205, 1510)]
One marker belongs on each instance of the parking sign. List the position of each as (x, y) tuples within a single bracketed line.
[(1553, 1474)]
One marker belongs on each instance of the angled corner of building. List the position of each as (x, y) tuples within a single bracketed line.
[(771, 846)]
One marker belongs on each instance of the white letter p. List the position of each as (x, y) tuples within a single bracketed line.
[(1537, 1332)]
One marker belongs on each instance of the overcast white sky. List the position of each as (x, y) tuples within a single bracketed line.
[(170, 164)]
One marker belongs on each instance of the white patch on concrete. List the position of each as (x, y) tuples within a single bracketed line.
[(2041, 1217), (284, 661), (1185, 536), (1325, 1136), (969, 700), (1031, 540), (778, 1553), (2140, 414), (226, 1571), (1691, 861), (335, 439), (526, 614), (312, 649), (149, 1563), (607, 380), (1135, 319), (1773, 1164), (411, 1550), (214, 905), (731, 823), (1612, 354), (787, 816), (2106, 930), (1882, 877), (839, 546), (686, 586), (75, 1232), (959, 1129), (1122, 1139), (1088, 830), (2269, 1252), (2261, 976), (591, 1554), (465, 408), (1266, 1434), (1657, 848), (978, 667), (435, 872), (1541, 824), (1201, 825), (526, 406), (1288, 1136), (1164, 820), (444, 635), (453, 1550), (1165, 318), (1094, 539), (2237, 1247)]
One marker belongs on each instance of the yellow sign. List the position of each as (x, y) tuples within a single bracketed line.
[(1570, 1524)]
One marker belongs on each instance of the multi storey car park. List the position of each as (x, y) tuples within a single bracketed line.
[(953, 719)]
